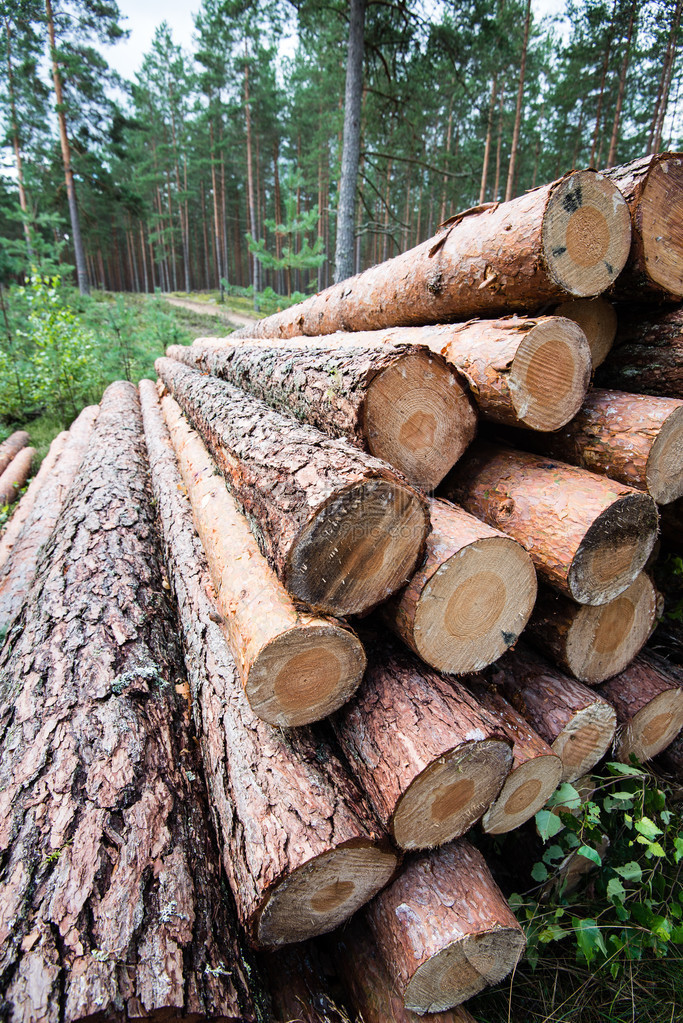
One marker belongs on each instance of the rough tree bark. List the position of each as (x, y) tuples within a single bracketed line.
[(15, 476), (11, 447), (351, 143), (340, 528), (25, 507), (648, 354), (300, 984), (648, 699), (518, 112), (301, 847), (598, 320), (110, 892)]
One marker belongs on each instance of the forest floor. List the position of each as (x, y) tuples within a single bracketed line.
[(209, 307)]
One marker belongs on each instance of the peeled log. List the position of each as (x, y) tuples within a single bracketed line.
[(444, 929), (648, 699), (27, 502), (588, 536), (15, 476), (430, 758), (16, 575), (648, 355), (576, 722), (110, 899), (653, 189), (295, 667), (571, 237), (398, 401), (301, 848), (598, 320), (471, 597), (634, 439), (11, 447), (536, 771), (340, 529), (594, 643)]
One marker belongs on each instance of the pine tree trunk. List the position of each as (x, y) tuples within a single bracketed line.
[(648, 354), (622, 86), (601, 94), (343, 267), (487, 146), (25, 506), (10, 448), (648, 699), (251, 196), (15, 475), (598, 320), (665, 84), (518, 112), (16, 144)]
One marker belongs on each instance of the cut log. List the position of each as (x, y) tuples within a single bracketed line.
[(569, 238), (588, 536), (598, 320), (11, 447), (110, 894), (299, 986), (653, 189), (594, 643), (648, 355), (444, 929), (399, 401), (19, 568), (648, 699), (631, 438), (301, 848), (470, 599), (576, 722), (430, 758), (339, 527), (25, 507), (536, 771), (295, 668), (15, 475)]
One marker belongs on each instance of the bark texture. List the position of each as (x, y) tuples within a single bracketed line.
[(340, 529), (598, 320), (648, 355), (283, 804), (353, 101), (571, 237), (11, 447), (300, 983), (588, 536), (15, 475), (27, 502), (110, 894), (648, 699)]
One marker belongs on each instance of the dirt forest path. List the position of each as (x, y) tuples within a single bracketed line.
[(230, 317)]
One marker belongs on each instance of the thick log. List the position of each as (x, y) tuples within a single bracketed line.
[(634, 439), (471, 597), (594, 643), (295, 667), (17, 573), (653, 189), (648, 699), (648, 355), (598, 320), (535, 772), (11, 447), (575, 721), (399, 401), (301, 848), (15, 475), (444, 929), (25, 506), (339, 527), (569, 238), (588, 536), (110, 894), (430, 758)]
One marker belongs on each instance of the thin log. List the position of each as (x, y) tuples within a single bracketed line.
[(300, 845), (588, 536), (430, 758), (648, 354), (295, 667), (444, 929), (569, 238), (471, 597), (340, 529), (648, 699), (15, 475), (11, 447), (111, 890), (25, 506), (400, 402), (598, 320)]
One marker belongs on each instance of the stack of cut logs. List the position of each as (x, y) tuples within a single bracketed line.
[(353, 668)]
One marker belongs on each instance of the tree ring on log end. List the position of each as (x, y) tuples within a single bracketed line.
[(654, 727), (598, 320), (445, 800), (463, 968), (550, 374), (475, 605), (614, 550), (359, 547), (586, 233), (661, 225), (419, 417), (305, 674), (585, 739), (664, 469), (324, 892), (526, 790)]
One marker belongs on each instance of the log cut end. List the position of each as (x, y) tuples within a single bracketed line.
[(550, 374), (305, 674), (475, 605), (586, 234), (419, 417), (661, 225), (664, 469), (525, 791), (586, 739), (446, 799), (324, 892), (359, 547), (598, 320), (652, 728), (614, 550)]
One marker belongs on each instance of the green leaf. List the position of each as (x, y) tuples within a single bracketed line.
[(565, 795), (629, 769), (539, 872), (590, 854), (678, 849), (631, 871), (615, 889), (548, 824), (588, 937), (553, 852), (552, 932), (648, 828), (677, 935), (621, 794)]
